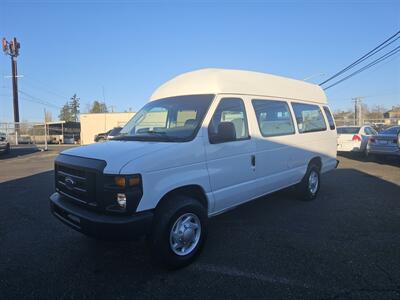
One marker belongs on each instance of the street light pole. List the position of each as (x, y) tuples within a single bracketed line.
[(15, 88), (45, 131)]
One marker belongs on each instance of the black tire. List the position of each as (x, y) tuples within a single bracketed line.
[(370, 156), (165, 217), (7, 149), (304, 189)]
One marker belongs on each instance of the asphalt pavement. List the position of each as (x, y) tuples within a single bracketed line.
[(343, 245)]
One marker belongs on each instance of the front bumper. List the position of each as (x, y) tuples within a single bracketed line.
[(97, 224)]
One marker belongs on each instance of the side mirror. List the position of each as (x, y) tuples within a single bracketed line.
[(225, 133)]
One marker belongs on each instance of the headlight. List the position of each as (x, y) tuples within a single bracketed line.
[(121, 199), (122, 193)]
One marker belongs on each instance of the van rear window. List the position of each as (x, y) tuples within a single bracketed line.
[(329, 117), (309, 117)]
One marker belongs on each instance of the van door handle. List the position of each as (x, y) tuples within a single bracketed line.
[(253, 160)]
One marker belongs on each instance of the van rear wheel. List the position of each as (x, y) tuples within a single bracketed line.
[(309, 186), (179, 232)]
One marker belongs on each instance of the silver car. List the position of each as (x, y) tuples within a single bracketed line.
[(354, 138), (386, 142), (4, 144)]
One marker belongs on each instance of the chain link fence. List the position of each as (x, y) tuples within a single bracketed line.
[(40, 133), (343, 121)]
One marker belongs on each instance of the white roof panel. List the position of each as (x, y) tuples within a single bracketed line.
[(224, 81)]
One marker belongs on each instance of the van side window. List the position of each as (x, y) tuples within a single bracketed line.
[(273, 117), (309, 117), (230, 110), (329, 117)]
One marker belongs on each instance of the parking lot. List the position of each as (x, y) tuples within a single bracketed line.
[(345, 244)]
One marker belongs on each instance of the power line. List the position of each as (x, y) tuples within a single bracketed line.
[(40, 84), (38, 100), (35, 101), (378, 60), (378, 48), (35, 86)]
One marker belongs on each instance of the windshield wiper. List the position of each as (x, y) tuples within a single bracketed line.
[(155, 132), (153, 136)]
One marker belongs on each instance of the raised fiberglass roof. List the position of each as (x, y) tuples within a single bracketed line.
[(224, 81)]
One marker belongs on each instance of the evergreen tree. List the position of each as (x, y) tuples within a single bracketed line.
[(74, 108), (65, 113), (98, 107), (70, 111)]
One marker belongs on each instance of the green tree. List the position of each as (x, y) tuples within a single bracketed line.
[(74, 108), (70, 111), (98, 107), (65, 113)]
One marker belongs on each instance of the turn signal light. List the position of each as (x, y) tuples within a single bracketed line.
[(123, 181), (120, 181), (134, 181)]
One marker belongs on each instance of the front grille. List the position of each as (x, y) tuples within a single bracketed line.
[(77, 184)]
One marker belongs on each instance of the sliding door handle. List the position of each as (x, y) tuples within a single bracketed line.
[(253, 160)]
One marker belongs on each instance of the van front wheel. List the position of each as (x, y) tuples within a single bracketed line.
[(179, 231), (309, 186)]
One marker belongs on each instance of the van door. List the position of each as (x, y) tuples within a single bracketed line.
[(274, 145), (230, 164)]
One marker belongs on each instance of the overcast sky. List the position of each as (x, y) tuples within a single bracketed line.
[(128, 48)]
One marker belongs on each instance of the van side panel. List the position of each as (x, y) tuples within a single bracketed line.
[(282, 160), (273, 153), (181, 165)]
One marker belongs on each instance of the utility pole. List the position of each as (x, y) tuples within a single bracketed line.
[(358, 119), (11, 48), (45, 131)]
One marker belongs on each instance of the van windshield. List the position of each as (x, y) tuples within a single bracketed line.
[(173, 119)]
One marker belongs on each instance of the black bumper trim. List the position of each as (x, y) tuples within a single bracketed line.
[(100, 225)]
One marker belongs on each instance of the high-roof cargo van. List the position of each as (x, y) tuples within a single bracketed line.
[(206, 142)]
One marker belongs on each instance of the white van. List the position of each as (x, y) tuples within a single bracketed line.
[(207, 141)]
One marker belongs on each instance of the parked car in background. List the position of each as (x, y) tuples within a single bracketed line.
[(4, 144), (109, 135), (386, 142), (380, 127), (354, 138), (24, 139)]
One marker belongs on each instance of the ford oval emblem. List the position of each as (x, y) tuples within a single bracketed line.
[(69, 183)]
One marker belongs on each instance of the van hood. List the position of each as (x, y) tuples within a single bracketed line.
[(117, 153)]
